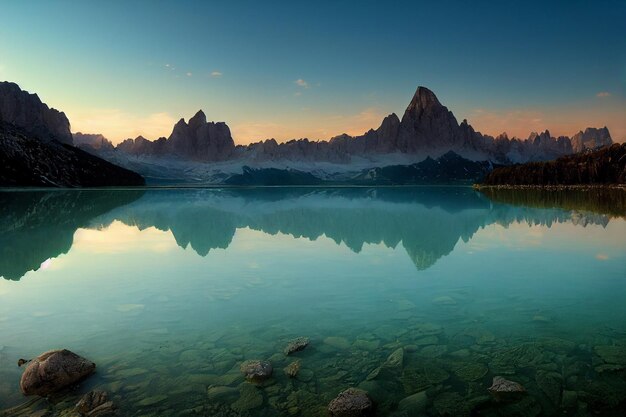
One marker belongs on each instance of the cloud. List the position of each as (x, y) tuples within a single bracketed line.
[(297, 93), (301, 83), (117, 125), (603, 94), (602, 257), (189, 74), (169, 67), (216, 74)]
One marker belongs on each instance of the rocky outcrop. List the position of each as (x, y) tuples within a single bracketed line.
[(29, 162), (54, 370), (591, 138), (35, 148), (26, 111), (603, 166)]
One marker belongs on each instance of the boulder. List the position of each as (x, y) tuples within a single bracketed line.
[(352, 402), (54, 370)]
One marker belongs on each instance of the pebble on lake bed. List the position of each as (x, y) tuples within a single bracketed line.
[(296, 345), (256, 370), (292, 369), (505, 390)]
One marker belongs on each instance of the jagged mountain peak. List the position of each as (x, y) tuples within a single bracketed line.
[(423, 99), (26, 111), (199, 119)]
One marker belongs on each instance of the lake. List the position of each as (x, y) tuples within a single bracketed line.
[(418, 295)]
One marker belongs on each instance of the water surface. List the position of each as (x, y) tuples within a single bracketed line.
[(169, 291)]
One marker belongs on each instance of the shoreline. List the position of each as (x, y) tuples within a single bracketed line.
[(550, 187)]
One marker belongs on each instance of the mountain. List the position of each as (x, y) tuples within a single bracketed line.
[(605, 165), (197, 140), (94, 142), (36, 148), (204, 152), (26, 111), (591, 138)]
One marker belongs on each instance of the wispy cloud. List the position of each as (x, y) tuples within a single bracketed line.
[(301, 83), (189, 74), (216, 74), (169, 67), (603, 94), (297, 93)]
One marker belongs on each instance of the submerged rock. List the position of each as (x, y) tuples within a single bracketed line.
[(54, 370), (91, 401), (256, 370), (395, 360), (415, 403), (551, 383), (292, 369), (471, 371), (445, 300), (249, 397), (296, 345), (352, 402), (505, 390), (612, 354), (337, 342)]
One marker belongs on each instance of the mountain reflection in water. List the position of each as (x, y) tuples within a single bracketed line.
[(427, 221)]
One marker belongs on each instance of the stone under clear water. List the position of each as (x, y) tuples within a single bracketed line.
[(418, 295)]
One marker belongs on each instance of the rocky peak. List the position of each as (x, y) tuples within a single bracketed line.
[(89, 141), (423, 99), (198, 120), (26, 111), (591, 138), (502, 136), (427, 124), (200, 140)]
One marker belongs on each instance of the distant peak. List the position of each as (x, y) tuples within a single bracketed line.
[(199, 116), (424, 98)]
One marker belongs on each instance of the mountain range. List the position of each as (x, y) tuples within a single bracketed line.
[(202, 151), (426, 145)]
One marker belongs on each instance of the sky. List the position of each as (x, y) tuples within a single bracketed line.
[(318, 69)]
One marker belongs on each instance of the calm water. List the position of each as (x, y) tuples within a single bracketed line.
[(169, 291)]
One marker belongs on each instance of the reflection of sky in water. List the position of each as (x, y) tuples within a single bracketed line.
[(121, 287)]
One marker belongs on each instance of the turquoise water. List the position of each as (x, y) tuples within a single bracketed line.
[(169, 291)]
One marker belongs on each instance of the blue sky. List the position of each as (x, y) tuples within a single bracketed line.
[(317, 69)]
